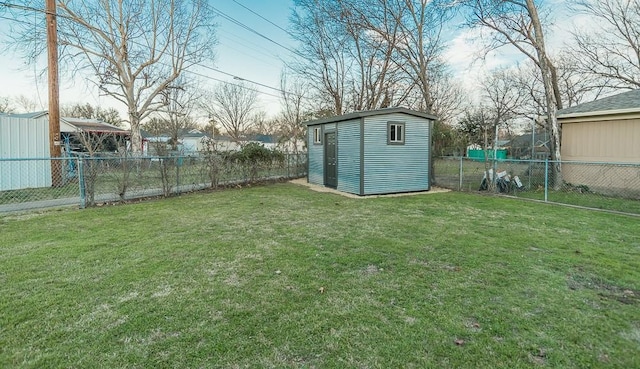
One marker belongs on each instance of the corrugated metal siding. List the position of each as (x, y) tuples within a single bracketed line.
[(316, 159), (349, 156), (22, 138), (396, 168), (316, 154)]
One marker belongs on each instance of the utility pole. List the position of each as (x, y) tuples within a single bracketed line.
[(54, 94)]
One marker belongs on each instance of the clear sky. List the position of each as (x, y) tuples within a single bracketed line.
[(239, 52), (247, 55)]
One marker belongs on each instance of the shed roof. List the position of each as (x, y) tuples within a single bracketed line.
[(370, 113), (626, 102), (34, 115), (74, 124)]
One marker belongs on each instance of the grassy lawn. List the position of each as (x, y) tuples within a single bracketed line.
[(280, 276)]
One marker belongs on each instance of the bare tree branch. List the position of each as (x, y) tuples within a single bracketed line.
[(232, 106), (611, 51), (133, 50)]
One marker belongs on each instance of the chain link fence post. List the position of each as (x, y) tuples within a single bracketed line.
[(546, 180), (81, 185), (461, 173)]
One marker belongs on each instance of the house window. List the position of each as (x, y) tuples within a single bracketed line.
[(317, 135), (395, 133)]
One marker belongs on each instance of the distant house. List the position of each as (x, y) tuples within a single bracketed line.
[(226, 143), (520, 147), (605, 130), (275, 142), (371, 152), (189, 141), (192, 140)]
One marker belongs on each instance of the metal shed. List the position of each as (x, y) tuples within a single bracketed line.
[(24, 146), (371, 152), (24, 142)]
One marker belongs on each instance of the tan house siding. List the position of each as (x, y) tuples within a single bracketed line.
[(607, 141)]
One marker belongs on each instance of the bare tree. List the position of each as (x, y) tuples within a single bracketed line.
[(376, 74), (25, 104), (180, 100), (132, 50), (610, 49), (233, 106), (372, 54), (420, 44), (263, 125), (501, 99), (447, 97), (518, 23), (108, 115), (574, 86), (292, 114), (5, 105), (92, 145), (323, 54)]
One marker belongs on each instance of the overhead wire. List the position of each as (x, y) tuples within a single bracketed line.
[(235, 77), (250, 29), (232, 41), (265, 19)]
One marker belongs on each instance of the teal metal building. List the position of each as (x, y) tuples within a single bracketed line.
[(371, 152)]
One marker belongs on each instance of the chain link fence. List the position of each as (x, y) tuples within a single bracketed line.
[(88, 181), (609, 186)]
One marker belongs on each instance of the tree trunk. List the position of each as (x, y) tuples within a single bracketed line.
[(550, 94), (136, 139)]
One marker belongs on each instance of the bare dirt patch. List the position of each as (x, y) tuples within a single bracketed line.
[(303, 182)]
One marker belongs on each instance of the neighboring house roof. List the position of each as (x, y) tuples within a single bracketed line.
[(222, 138), (370, 113), (182, 133), (145, 134), (626, 102), (192, 133), (263, 138), (92, 125)]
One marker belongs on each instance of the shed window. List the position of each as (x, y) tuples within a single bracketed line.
[(395, 133), (317, 135)]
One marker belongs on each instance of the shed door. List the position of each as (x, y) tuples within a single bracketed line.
[(330, 177)]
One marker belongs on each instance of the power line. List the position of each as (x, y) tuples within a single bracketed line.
[(262, 17), (15, 20), (250, 29), (236, 40), (226, 82), (236, 77)]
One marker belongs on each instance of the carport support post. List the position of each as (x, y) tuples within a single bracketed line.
[(546, 180)]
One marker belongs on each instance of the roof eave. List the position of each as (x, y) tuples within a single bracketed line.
[(599, 113), (369, 113)]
